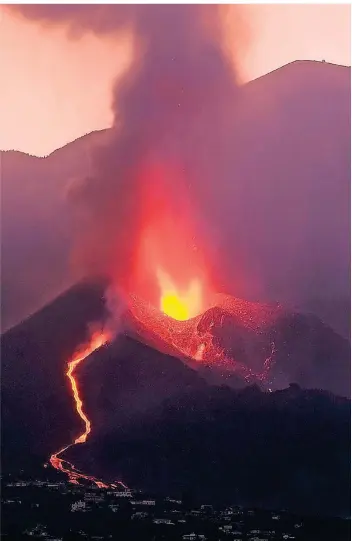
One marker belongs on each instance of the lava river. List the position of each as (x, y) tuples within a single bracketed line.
[(97, 340)]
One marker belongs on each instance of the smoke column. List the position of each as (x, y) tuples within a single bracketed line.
[(171, 111)]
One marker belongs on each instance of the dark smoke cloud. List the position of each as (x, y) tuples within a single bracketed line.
[(171, 109)]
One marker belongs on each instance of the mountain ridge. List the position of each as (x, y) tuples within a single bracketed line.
[(293, 64)]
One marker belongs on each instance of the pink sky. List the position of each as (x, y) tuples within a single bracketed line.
[(54, 90)]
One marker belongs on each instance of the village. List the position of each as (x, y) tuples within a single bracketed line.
[(60, 511)]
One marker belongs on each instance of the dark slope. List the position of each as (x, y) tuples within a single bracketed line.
[(38, 414), (305, 350), (288, 449), (128, 380), (281, 200), (247, 342), (312, 354)]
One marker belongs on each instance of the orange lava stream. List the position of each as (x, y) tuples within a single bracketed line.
[(97, 340)]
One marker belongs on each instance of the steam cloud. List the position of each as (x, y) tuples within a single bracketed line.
[(170, 109)]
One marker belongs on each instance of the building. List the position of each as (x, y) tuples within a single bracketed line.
[(18, 484), (143, 502), (39, 483), (139, 515), (94, 497), (38, 531), (78, 506), (123, 494), (171, 500)]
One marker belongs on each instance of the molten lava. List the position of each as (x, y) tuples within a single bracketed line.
[(97, 340), (179, 304)]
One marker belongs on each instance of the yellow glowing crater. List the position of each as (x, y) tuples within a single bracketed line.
[(179, 304)]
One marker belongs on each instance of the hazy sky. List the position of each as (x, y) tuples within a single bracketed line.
[(54, 90)]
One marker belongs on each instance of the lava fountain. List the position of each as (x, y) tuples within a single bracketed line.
[(180, 305), (174, 302), (171, 285), (170, 270)]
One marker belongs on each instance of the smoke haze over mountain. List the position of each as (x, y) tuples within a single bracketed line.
[(171, 112), (265, 167)]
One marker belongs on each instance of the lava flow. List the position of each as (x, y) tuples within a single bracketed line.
[(97, 340)]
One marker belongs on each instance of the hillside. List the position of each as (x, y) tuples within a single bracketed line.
[(244, 342), (289, 449), (38, 414), (157, 423), (280, 203)]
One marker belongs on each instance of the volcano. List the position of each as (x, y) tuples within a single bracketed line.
[(141, 389)]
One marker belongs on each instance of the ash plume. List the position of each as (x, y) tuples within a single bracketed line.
[(172, 109)]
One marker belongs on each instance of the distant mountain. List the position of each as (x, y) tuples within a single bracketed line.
[(335, 311), (36, 225), (281, 200)]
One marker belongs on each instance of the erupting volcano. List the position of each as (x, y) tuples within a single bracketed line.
[(173, 304)]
